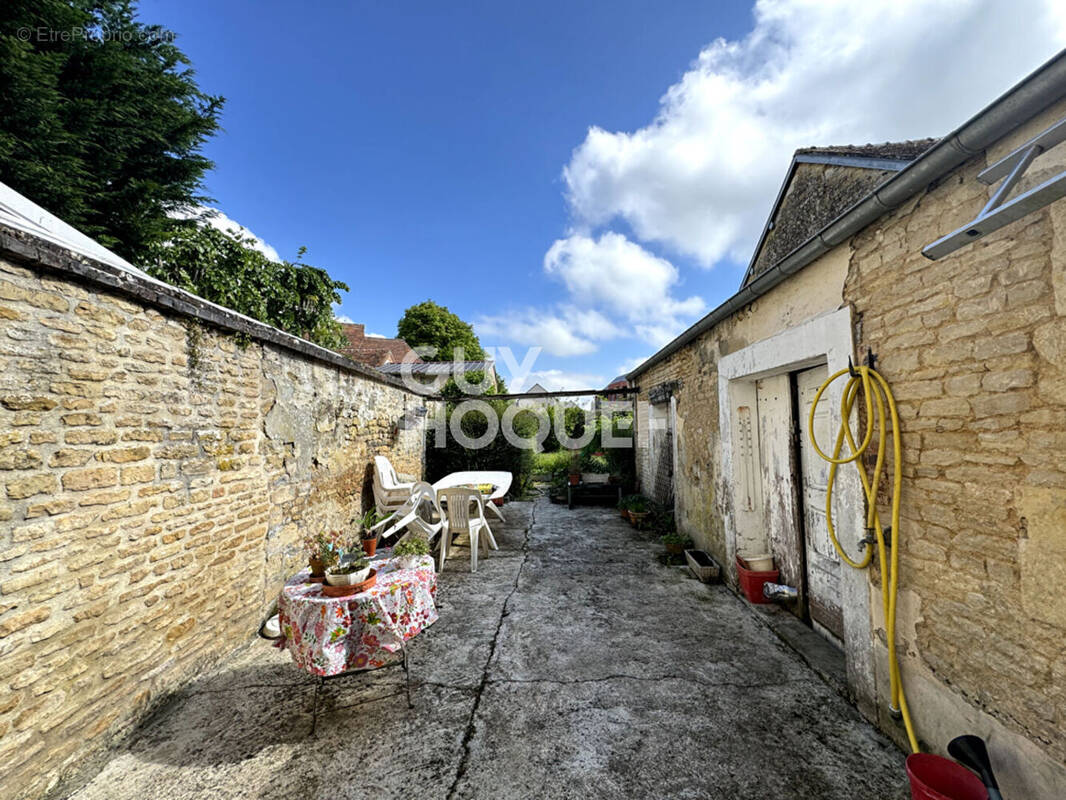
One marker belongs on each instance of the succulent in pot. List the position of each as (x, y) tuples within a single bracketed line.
[(348, 574), (368, 537), (410, 551)]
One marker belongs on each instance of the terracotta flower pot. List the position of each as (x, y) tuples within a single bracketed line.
[(575, 480), (370, 546), (675, 549), (637, 517), (318, 569)]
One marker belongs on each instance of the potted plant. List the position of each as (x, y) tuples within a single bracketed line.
[(348, 574), (410, 550), (638, 509), (368, 538), (627, 503), (323, 551), (675, 542)]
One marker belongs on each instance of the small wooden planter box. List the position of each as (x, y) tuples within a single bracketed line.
[(703, 566)]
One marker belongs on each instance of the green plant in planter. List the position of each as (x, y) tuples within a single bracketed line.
[(349, 567), (629, 502), (676, 539), (638, 504), (324, 548), (412, 546), (369, 520)]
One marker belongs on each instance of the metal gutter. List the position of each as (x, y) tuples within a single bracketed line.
[(1032, 95)]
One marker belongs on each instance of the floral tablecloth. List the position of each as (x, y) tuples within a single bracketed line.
[(331, 635)]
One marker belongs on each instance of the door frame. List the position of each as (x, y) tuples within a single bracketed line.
[(825, 339)]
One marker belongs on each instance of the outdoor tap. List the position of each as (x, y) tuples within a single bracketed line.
[(779, 593), (871, 538)]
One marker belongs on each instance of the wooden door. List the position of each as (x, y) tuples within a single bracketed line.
[(773, 401), (823, 564)]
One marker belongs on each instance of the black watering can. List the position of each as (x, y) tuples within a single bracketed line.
[(970, 751)]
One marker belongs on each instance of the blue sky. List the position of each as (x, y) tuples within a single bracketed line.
[(585, 176)]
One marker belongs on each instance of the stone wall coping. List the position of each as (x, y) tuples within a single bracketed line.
[(32, 251)]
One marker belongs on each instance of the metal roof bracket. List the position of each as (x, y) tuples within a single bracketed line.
[(997, 212)]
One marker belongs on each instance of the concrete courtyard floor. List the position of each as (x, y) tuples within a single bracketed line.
[(571, 665)]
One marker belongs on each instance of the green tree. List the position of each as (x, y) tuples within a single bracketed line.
[(430, 325), (101, 121), (224, 269)]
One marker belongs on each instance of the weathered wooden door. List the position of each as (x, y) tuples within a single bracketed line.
[(773, 400), (823, 564)]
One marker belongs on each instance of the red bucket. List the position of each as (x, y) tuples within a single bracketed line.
[(938, 778), (751, 581)]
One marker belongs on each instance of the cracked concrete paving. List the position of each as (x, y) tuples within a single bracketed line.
[(571, 665)]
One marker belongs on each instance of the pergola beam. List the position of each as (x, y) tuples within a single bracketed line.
[(567, 393)]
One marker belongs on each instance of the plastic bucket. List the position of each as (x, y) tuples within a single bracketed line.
[(938, 778), (760, 563), (751, 582)]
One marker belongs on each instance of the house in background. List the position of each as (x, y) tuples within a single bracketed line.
[(374, 351), (972, 342), (611, 391), (531, 402)]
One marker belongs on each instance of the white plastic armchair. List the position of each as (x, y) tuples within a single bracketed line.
[(389, 492), (408, 516), (464, 513)]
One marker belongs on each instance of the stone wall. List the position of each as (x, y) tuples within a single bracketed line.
[(974, 348), (157, 474)]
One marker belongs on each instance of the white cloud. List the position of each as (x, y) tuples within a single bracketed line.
[(344, 318), (566, 331), (216, 219), (632, 363), (624, 278), (376, 336), (701, 176), (607, 279)]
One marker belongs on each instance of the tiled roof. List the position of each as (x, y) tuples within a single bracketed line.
[(827, 182), (440, 367), (900, 151), (372, 350)]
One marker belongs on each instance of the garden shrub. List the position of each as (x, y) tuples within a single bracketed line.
[(496, 455)]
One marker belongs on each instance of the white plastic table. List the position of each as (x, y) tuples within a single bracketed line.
[(501, 484)]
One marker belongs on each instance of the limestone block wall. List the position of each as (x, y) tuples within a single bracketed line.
[(974, 347), (156, 475)]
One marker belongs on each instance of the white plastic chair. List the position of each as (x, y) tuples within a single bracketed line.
[(500, 480), (459, 519), (409, 518), (389, 492)]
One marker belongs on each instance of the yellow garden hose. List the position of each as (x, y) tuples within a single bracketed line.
[(877, 395)]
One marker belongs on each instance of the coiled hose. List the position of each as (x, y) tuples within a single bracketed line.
[(877, 395)]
